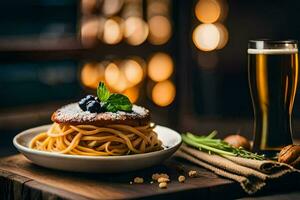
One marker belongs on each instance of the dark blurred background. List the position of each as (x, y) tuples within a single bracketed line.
[(184, 60)]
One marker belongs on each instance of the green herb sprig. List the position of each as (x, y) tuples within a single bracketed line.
[(217, 146), (113, 102)]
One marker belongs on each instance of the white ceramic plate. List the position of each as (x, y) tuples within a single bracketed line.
[(101, 164)]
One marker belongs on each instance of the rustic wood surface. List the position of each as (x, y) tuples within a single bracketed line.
[(20, 179)]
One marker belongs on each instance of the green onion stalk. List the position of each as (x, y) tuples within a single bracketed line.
[(217, 146)]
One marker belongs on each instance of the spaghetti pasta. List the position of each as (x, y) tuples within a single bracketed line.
[(89, 140)]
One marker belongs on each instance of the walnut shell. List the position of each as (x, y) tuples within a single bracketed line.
[(290, 155), (238, 141)]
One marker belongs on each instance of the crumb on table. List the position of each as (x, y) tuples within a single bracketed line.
[(138, 180), (156, 176), (181, 179), (163, 179), (163, 185), (192, 173)]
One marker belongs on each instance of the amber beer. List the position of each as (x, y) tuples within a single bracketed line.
[(273, 77)]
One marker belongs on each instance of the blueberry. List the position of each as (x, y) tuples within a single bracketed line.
[(83, 102), (89, 97), (97, 99), (93, 106)]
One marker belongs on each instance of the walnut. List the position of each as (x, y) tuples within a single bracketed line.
[(290, 155), (238, 141)]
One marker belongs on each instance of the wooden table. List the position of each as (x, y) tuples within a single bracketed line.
[(20, 179)]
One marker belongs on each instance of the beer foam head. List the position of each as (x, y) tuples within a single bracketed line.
[(273, 51), (267, 46)]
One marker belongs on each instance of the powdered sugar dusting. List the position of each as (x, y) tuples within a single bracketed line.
[(72, 112)]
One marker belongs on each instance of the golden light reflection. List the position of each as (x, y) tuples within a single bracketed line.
[(262, 82), (163, 93), (206, 37), (132, 93), (112, 33), (160, 29), (160, 67), (133, 71), (135, 30), (208, 11), (91, 74), (112, 74)]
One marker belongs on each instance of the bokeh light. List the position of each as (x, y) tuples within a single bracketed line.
[(223, 35), (135, 30), (133, 71), (89, 32), (224, 10), (160, 67), (160, 30), (112, 33), (163, 93), (121, 85), (206, 37), (132, 93), (208, 11), (111, 7), (112, 74), (88, 6), (157, 7), (91, 74)]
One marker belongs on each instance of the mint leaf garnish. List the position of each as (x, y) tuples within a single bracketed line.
[(102, 92), (117, 102), (113, 102)]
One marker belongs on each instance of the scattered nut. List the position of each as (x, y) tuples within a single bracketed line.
[(163, 185), (156, 176), (192, 173), (238, 141), (138, 180), (290, 155), (162, 179), (181, 179)]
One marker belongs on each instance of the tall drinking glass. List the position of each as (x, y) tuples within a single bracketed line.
[(273, 77)]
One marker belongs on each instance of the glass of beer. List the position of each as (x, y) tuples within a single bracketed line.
[(273, 77)]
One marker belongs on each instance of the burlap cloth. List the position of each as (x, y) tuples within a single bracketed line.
[(251, 174)]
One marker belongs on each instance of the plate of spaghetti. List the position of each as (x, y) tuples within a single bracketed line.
[(104, 134)]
